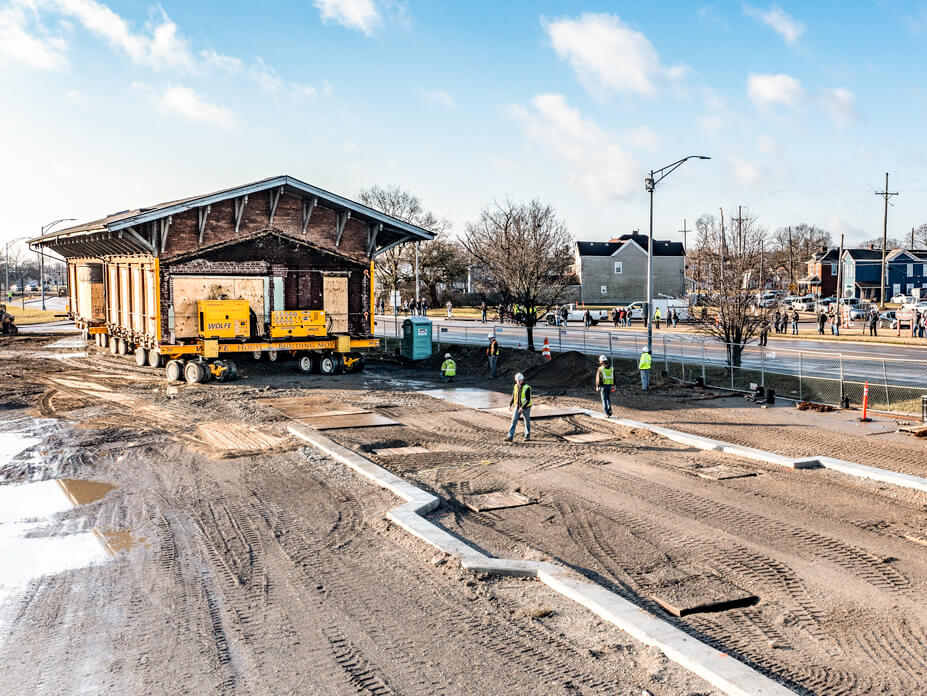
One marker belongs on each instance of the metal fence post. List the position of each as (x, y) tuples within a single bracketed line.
[(730, 359), (763, 367), (704, 373), (800, 376), (665, 359), (840, 361), (611, 351), (585, 331), (559, 340), (888, 399)]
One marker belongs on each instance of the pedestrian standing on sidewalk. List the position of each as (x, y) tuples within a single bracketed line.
[(449, 307), (914, 323), (764, 333), (656, 318), (587, 319), (835, 324), (822, 321), (873, 319), (674, 317), (795, 322), (493, 352), (644, 365), (521, 405), (615, 316), (605, 384), (483, 310), (776, 321)]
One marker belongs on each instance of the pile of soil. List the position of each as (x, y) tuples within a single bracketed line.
[(472, 360), (811, 406)]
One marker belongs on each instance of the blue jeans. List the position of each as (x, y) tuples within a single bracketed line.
[(493, 359), (645, 379), (605, 391), (526, 414)]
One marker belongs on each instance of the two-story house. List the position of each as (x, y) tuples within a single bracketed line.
[(821, 280), (615, 272), (862, 273), (907, 271)]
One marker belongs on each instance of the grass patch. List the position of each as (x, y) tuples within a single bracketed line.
[(30, 315)]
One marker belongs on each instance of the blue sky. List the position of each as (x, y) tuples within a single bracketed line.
[(802, 106)]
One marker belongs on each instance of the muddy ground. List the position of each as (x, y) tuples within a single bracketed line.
[(256, 566)]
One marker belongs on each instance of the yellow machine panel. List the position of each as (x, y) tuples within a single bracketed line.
[(223, 318), (297, 323)]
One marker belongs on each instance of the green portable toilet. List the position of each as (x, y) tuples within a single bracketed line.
[(416, 338)]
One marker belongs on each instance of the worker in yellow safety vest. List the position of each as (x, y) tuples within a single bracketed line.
[(521, 403), (656, 318), (493, 352), (644, 366), (605, 384), (448, 368)]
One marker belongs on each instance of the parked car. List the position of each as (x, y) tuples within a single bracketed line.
[(578, 313), (824, 304), (32, 287), (891, 319), (860, 311), (805, 303), (902, 299)]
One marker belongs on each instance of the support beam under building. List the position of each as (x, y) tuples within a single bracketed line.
[(240, 204), (341, 219), (274, 199), (308, 207), (202, 213)]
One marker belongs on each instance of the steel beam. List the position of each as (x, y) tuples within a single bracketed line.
[(308, 207), (202, 214), (341, 219), (274, 199), (240, 204)]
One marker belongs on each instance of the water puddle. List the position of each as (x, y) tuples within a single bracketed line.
[(116, 540), (470, 397), (82, 491), (68, 342)]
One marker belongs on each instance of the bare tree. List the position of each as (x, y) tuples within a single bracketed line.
[(525, 251), (920, 236), (731, 262), (440, 262), (792, 246), (395, 267)]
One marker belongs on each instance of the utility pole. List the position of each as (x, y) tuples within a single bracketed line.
[(839, 275), (912, 237), (740, 230), (791, 272), (886, 195)]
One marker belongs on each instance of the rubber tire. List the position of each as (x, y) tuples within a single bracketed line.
[(257, 354), (194, 373), (85, 334), (104, 340), (331, 364), (174, 371), (155, 359), (233, 369), (141, 356), (96, 339), (307, 363), (358, 366), (272, 356), (222, 376), (122, 346), (114, 346)]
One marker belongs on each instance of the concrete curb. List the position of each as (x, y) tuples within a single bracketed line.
[(718, 669), (813, 462)]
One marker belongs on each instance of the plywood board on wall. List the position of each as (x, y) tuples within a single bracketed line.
[(335, 298), (187, 290)]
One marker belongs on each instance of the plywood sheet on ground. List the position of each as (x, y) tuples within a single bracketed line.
[(232, 438), (581, 438), (400, 451), (470, 397), (353, 420), (542, 411), (722, 472), (497, 500), (299, 408), (691, 594)]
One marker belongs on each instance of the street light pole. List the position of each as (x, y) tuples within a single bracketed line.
[(41, 253), (7, 265), (656, 176)]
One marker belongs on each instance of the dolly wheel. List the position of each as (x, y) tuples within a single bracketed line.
[(194, 373), (174, 370), (154, 358), (114, 346), (354, 363), (219, 370), (141, 356), (256, 354), (122, 347), (104, 340), (233, 369), (331, 364), (306, 363), (272, 355)]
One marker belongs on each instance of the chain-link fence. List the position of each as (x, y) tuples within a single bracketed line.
[(828, 377)]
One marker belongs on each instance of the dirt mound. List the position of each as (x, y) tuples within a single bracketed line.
[(472, 360), (571, 370)]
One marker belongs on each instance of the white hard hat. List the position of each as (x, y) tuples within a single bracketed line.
[(447, 355), (646, 350), (602, 358), (490, 336), (519, 377)]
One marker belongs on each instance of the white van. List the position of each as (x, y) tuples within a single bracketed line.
[(681, 306)]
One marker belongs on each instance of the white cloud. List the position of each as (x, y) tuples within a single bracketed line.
[(327, 88), (839, 102), (765, 90), (229, 64), (768, 144), (266, 77), (75, 97), (597, 166), (643, 137), (162, 47), (360, 15), (711, 122), (608, 54), (301, 90), (18, 45), (778, 20), (185, 102), (437, 96), (745, 172)]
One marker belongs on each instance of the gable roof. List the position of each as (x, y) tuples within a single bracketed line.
[(115, 228), (831, 254), (611, 247), (863, 254)]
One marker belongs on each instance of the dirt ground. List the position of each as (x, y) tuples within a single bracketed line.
[(258, 566)]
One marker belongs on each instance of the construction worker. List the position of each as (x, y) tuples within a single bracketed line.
[(656, 318), (644, 365), (605, 384), (521, 405), (448, 368), (493, 352)]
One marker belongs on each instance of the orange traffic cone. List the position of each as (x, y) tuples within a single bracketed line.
[(546, 351)]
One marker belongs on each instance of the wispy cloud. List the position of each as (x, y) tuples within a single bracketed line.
[(597, 166), (185, 102), (778, 20), (767, 90), (609, 55), (745, 172), (360, 15), (437, 96), (643, 137), (839, 103), (26, 42), (229, 64)]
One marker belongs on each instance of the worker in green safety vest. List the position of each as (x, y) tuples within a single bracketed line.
[(605, 384), (644, 366), (521, 403), (448, 368)]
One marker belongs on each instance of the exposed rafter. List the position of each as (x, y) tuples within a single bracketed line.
[(308, 206), (274, 199), (341, 219), (201, 214), (165, 226), (373, 229), (393, 244), (240, 204), (133, 234)]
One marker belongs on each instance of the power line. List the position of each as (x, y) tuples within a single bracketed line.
[(886, 194)]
